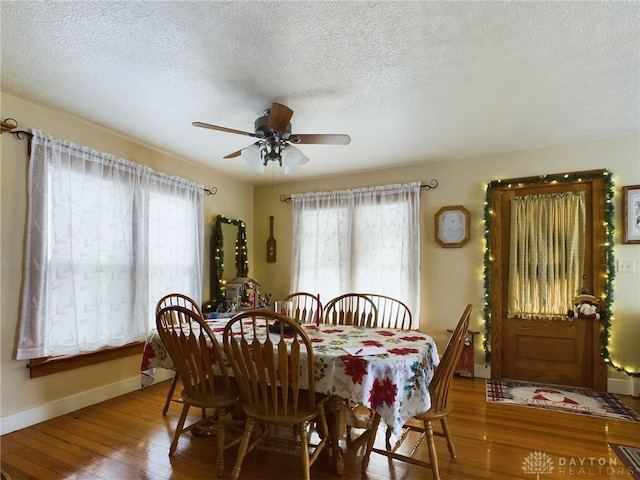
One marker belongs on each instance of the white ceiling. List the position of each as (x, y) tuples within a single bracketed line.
[(410, 82)]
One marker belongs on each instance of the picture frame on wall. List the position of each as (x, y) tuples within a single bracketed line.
[(452, 226), (631, 214)]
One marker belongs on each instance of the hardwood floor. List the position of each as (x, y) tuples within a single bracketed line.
[(127, 438)]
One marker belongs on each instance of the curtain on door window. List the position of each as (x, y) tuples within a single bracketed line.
[(365, 240), (547, 254), (106, 238)]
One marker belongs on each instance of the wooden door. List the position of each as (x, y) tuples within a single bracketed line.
[(547, 351)]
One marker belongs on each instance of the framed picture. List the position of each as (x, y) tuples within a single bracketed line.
[(452, 226), (631, 214)]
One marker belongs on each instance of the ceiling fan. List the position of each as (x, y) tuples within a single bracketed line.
[(275, 140)]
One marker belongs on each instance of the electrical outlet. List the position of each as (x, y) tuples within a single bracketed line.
[(626, 266)]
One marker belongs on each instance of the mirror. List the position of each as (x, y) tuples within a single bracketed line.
[(229, 234), (228, 254)]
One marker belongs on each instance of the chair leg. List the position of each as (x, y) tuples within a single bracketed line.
[(179, 428), (170, 394), (387, 438), (304, 451), (370, 441), (447, 435), (322, 427), (221, 416), (242, 450), (433, 457)]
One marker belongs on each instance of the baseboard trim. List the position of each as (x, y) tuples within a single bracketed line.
[(26, 418), (635, 386), (621, 387), (482, 370)]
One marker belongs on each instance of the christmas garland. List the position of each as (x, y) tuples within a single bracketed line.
[(609, 257)]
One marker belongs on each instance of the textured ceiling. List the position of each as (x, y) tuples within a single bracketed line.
[(410, 82)]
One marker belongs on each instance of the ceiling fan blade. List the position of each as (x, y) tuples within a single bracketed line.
[(279, 117), (233, 155), (320, 138), (222, 129)]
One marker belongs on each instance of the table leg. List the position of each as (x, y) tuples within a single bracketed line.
[(334, 408)]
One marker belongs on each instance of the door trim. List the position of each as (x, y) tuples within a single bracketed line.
[(493, 267)]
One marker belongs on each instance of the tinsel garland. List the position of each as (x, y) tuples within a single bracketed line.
[(241, 260), (607, 313)]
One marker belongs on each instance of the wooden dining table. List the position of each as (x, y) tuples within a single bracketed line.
[(383, 369)]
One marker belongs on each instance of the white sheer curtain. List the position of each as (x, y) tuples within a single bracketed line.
[(106, 238), (365, 240), (547, 254)]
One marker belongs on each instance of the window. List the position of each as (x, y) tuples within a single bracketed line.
[(547, 251), (365, 240), (175, 246), (106, 239)]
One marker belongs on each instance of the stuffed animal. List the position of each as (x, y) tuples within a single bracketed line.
[(586, 307)]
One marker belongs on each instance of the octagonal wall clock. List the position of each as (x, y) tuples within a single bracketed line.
[(452, 226)]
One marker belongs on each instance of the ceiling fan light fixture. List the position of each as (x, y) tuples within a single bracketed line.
[(292, 158), (253, 156), (272, 150)]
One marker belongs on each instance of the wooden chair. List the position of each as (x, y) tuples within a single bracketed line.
[(305, 306), (185, 301), (440, 408), (196, 352), (351, 309), (270, 354), (392, 313)]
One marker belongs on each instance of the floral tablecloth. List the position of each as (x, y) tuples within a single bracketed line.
[(395, 383)]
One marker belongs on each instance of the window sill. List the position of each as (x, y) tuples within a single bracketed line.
[(40, 367)]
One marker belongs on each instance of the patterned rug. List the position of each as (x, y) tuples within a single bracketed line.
[(559, 398), (630, 456)]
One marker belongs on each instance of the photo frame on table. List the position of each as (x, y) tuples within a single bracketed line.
[(631, 214), (452, 226)]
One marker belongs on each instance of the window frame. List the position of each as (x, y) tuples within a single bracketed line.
[(40, 367)]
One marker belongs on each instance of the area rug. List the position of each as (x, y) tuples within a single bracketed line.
[(630, 456), (560, 398)]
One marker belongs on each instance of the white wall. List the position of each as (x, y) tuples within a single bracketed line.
[(23, 400)]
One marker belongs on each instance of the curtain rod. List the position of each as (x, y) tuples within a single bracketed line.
[(10, 125), (428, 186)]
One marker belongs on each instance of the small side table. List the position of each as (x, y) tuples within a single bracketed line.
[(465, 366)]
